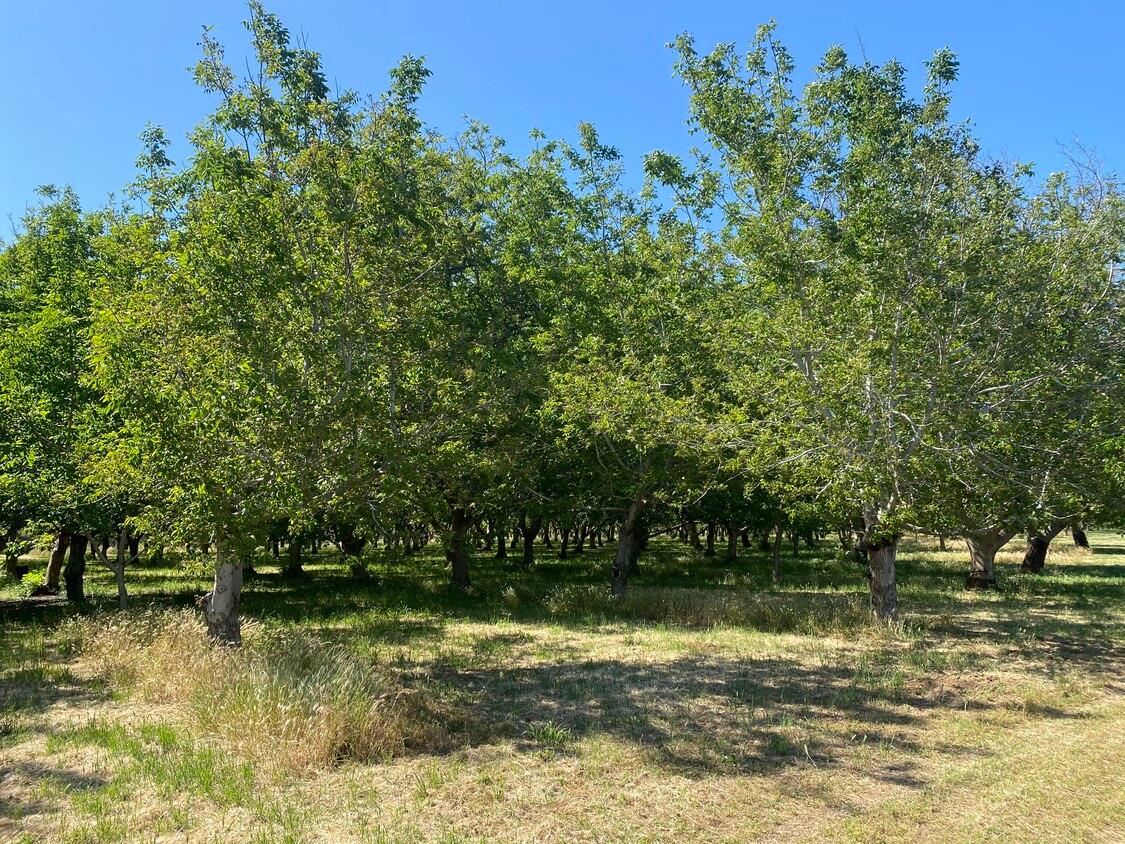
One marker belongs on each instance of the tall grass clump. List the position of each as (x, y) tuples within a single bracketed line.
[(285, 697)]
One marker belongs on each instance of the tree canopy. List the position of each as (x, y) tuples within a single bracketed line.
[(840, 315)]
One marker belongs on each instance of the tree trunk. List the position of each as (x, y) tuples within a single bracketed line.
[(941, 542), (502, 544), (628, 548), (710, 550), (745, 536), (119, 570), (1035, 557), (693, 536), (983, 546), (529, 530), (11, 562), (75, 571), (458, 552), (1080, 538), (564, 543), (580, 534), (293, 567), (222, 604), (777, 554), (640, 540), (881, 555), (732, 543), (55, 561)]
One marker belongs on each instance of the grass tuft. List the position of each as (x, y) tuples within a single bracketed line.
[(285, 697)]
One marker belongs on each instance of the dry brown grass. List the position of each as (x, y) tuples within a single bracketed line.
[(286, 697)]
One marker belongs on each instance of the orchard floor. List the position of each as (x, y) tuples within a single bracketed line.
[(712, 706)]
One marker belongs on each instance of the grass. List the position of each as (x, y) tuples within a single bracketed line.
[(708, 706)]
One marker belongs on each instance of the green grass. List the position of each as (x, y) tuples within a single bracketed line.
[(709, 705)]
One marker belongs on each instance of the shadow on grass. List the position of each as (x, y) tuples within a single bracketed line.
[(697, 716), (16, 803)]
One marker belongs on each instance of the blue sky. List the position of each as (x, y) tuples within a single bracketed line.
[(81, 79)]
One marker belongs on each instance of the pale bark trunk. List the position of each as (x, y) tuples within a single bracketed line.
[(221, 606), (55, 561), (983, 546)]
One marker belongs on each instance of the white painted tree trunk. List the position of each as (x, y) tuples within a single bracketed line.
[(221, 605)]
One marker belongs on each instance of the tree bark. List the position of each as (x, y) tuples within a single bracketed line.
[(11, 562), (732, 543), (458, 552), (983, 546), (530, 530), (119, 570), (293, 567), (711, 530), (1035, 557), (776, 573), (693, 536), (628, 547), (1080, 538), (75, 571), (881, 556), (502, 544), (55, 561), (222, 605), (580, 534)]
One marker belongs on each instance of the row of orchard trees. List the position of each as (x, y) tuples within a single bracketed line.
[(837, 315)]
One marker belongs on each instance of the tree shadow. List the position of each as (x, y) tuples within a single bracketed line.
[(698, 716)]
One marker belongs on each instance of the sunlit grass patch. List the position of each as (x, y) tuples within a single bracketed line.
[(286, 697)]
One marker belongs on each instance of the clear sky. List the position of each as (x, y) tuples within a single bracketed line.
[(80, 79)]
